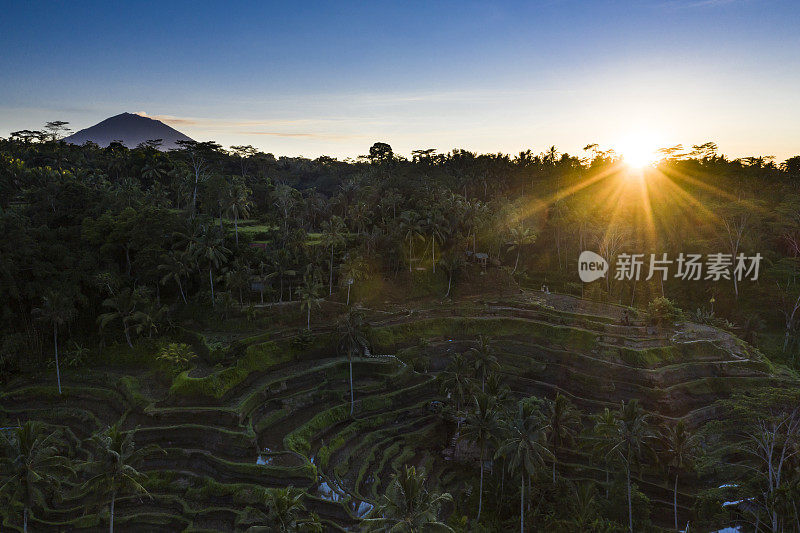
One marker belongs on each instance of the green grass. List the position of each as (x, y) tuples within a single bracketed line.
[(674, 353), (130, 389), (258, 357), (300, 439), (388, 339), (260, 231)]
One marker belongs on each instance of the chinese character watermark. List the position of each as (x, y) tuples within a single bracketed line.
[(688, 267)]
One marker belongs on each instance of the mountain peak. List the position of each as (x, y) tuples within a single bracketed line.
[(130, 128)]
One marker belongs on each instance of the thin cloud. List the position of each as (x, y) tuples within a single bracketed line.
[(247, 127), (217, 124), (320, 136), (170, 119), (278, 134), (691, 4)]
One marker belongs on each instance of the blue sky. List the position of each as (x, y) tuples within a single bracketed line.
[(332, 78)]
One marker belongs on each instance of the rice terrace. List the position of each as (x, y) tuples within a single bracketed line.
[(291, 307)]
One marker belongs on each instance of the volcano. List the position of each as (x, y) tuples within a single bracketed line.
[(131, 130)]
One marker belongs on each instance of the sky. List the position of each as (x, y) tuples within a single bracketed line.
[(331, 78)]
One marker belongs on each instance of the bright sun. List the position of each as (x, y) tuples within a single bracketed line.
[(638, 150)]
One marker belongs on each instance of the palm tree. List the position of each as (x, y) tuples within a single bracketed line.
[(435, 226), (285, 201), (174, 266), (453, 262), (210, 248), (237, 278), (58, 309), (284, 507), (283, 267), (582, 510), (520, 236), (411, 230), (631, 442), (391, 198), (563, 424), (237, 203), (333, 232), (150, 317), (678, 450), (30, 462), (551, 155), (408, 507), (358, 214), (604, 429), (113, 467), (352, 339), (264, 275), (351, 270), (456, 380), (480, 428), (475, 213), (497, 388), (151, 171), (308, 293), (373, 240), (558, 218), (123, 308), (484, 359), (526, 451)]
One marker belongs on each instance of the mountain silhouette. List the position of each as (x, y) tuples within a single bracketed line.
[(131, 129)]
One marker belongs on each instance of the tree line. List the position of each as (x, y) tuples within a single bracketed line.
[(111, 244)]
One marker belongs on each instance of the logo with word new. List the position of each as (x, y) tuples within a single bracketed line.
[(691, 267), (591, 266)]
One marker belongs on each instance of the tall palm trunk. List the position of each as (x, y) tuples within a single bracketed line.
[(127, 334), (330, 281), (55, 344), (352, 392), (433, 254), (211, 278), (675, 501), (480, 490), (529, 492), (180, 287), (194, 192), (236, 226), (522, 505), (308, 323), (502, 482), (128, 260), (348, 293), (111, 522), (516, 263), (558, 248), (25, 520), (630, 504)]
